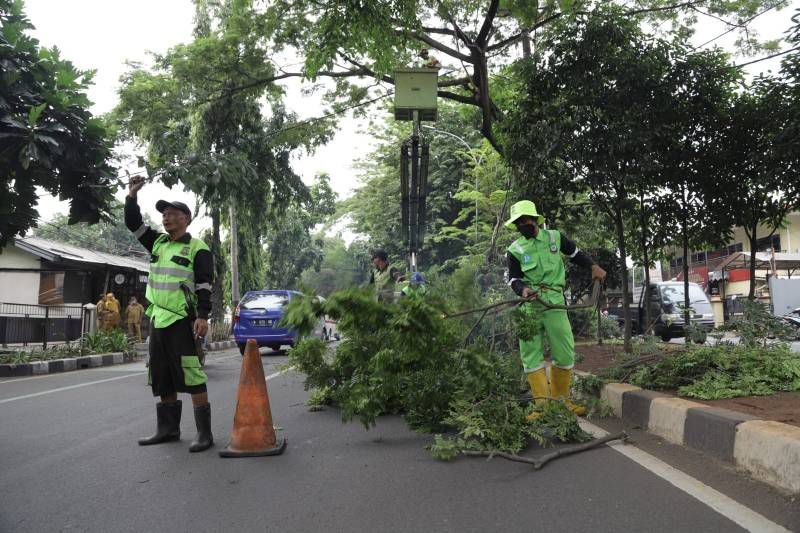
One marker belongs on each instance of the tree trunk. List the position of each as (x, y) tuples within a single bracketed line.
[(217, 300), (644, 302), (753, 238), (626, 301), (526, 45), (686, 304)]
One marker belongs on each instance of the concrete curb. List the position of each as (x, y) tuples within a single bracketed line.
[(767, 450), (55, 366), (220, 345)]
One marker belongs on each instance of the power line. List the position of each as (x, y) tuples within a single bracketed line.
[(296, 125), (772, 56), (735, 27), (64, 232)]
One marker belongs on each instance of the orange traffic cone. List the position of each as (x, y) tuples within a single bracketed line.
[(253, 434)]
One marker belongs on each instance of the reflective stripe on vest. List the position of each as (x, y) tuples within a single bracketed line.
[(172, 266)]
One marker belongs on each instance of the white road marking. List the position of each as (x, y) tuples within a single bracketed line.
[(60, 389), (727, 507), (278, 373)]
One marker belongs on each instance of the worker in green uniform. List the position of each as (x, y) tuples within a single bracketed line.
[(535, 269), (384, 277), (179, 292), (416, 287)]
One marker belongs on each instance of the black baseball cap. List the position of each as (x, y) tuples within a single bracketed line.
[(161, 205)]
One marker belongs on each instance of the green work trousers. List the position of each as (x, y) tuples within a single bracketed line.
[(555, 324)]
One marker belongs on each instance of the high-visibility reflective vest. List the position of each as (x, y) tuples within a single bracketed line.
[(414, 291), (384, 284), (542, 266), (171, 266)]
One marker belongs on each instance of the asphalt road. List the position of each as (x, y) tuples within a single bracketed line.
[(70, 462)]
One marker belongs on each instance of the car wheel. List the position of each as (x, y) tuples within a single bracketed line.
[(665, 337)]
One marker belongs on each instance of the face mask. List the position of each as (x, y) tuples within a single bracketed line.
[(528, 231)]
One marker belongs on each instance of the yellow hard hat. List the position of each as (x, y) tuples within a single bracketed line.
[(522, 208)]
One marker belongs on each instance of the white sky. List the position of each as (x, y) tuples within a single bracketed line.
[(104, 34)]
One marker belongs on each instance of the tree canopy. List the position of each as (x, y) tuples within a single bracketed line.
[(48, 137)]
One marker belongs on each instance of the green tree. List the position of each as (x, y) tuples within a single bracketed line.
[(632, 118), (760, 172), (49, 139), (690, 202), (342, 267), (227, 147), (475, 39), (291, 247)]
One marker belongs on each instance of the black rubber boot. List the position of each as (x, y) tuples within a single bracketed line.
[(168, 429), (204, 439)]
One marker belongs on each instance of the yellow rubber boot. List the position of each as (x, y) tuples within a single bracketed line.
[(540, 389), (560, 380)]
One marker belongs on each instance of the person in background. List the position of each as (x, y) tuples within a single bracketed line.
[(133, 317), (100, 312), (112, 311), (383, 277), (416, 287)]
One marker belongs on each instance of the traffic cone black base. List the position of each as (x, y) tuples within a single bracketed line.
[(280, 446)]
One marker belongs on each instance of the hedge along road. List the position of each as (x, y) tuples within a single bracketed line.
[(70, 462)]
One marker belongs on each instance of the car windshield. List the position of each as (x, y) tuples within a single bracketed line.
[(264, 301), (673, 294)]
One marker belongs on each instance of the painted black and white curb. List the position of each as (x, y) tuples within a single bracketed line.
[(220, 345), (765, 449), (35, 368)]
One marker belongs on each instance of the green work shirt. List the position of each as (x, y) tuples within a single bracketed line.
[(384, 282), (542, 267)]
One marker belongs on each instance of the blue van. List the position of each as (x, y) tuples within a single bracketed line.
[(257, 317)]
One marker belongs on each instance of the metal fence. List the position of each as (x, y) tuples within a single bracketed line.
[(39, 324)]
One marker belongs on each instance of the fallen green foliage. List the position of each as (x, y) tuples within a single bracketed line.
[(407, 358), (478, 428), (715, 372), (586, 391)]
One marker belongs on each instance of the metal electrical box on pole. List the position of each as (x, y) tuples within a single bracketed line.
[(415, 99), (415, 90)]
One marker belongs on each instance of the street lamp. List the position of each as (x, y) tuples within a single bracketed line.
[(476, 161)]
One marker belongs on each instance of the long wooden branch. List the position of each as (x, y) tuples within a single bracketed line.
[(514, 38), (369, 71), (488, 23), (664, 8), (464, 99), (443, 31), (539, 462), (433, 43), (455, 82)]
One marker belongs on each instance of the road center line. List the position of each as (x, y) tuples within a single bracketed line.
[(727, 507), (79, 385), (60, 389), (278, 373)]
